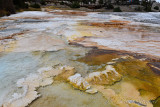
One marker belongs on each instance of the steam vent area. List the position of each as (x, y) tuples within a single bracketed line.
[(71, 58)]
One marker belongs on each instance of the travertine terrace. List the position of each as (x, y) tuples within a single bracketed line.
[(69, 58)]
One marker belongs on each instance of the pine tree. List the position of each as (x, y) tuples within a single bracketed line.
[(19, 4), (7, 6)]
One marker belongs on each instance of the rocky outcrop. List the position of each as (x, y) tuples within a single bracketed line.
[(155, 7)]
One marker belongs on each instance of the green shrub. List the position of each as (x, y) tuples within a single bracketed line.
[(3, 13), (35, 5), (156, 8), (148, 9), (75, 5), (117, 9), (138, 9)]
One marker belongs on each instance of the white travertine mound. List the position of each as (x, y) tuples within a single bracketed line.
[(83, 83), (36, 14), (109, 68), (79, 82), (91, 91), (103, 77)]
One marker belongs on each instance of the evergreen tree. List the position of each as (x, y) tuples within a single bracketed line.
[(7, 7), (19, 4)]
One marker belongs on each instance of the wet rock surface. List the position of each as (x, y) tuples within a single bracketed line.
[(95, 59)]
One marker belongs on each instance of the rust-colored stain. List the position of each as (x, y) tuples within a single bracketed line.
[(12, 36), (106, 24), (114, 24), (119, 21), (99, 57), (7, 37), (2, 28), (70, 13), (4, 20), (138, 69)]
